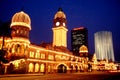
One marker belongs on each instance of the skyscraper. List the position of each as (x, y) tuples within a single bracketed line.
[(79, 41), (104, 45)]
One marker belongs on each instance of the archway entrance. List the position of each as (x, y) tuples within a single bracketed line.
[(76, 68), (62, 69)]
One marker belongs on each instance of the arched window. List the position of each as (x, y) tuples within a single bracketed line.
[(36, 67), (13, 48), (37, 55), (22, 48), (62, 68), (31, 66), (0, 46), (18, 48), (49, 68), (42, 68)]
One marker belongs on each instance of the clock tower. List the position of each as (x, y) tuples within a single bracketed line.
[(60, 29)]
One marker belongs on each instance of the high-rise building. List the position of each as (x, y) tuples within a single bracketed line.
[(79, 41), (104, 45)]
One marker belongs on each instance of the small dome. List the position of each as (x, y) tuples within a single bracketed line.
[(60, 14), (83, 49), (21, 19)]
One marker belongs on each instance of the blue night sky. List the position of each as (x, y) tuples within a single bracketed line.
[(96, 15)]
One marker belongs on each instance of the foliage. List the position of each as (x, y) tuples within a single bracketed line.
[(3, 54), (5, 31)]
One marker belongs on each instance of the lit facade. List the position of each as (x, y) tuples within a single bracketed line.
[(104, 45), (79, 41), (60, 29), (25, 57)]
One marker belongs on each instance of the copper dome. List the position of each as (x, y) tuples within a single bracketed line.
[(21, 19)]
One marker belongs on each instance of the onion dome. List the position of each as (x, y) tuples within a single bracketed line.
[(83, 49), (60, 14), (21, 19)]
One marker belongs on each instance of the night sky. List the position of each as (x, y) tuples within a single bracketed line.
[(96, 15)]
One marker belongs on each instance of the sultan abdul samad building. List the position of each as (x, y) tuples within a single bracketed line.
[(25, 57)]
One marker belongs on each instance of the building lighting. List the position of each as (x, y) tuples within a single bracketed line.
[(104, 45)]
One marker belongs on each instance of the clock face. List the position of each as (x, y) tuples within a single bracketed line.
[(57, 23), (63, 24)]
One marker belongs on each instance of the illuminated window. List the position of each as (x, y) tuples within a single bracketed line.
[(16, 64), (37, 55), (22, 48), (57, 57), (18, 48), (49, 68), (13, 48), (36, 67), (0, 46), (17, 31), (31, 54), (63, 57), (50, 57), (31, 66), (25, 32), (42, 68), (42, 56)]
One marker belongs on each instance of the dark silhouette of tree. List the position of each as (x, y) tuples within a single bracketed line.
[(5, 32)]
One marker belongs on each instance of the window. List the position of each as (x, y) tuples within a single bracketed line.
[(42, 56), (13, 48), (50, 57), (0, 46), (36, 67), (37, 54), (25, 32), (57, 57), (18, 48), (31, 66), (49, 68), (17, 31), (31, 54), (22, 48), (42, 67)]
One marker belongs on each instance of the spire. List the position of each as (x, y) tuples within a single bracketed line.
[(60, 9)]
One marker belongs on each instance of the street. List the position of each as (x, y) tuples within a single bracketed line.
[(64, 76)]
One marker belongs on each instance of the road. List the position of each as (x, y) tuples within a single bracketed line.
[(63, 76)]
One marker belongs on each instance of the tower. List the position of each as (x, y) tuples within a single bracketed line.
[(20, 25), (79, 41), (104, 45), (60, 29)]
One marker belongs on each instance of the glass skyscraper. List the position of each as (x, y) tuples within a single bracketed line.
[(79, 40), (104, 45)]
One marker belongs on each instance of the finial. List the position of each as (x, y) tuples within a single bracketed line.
[(60, 9)]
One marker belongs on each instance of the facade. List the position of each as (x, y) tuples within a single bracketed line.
[(102, 65), (104, 46), (79, 41), (60, 29), (25, 57)]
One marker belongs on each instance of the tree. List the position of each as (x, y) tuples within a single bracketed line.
[(5, 31)]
